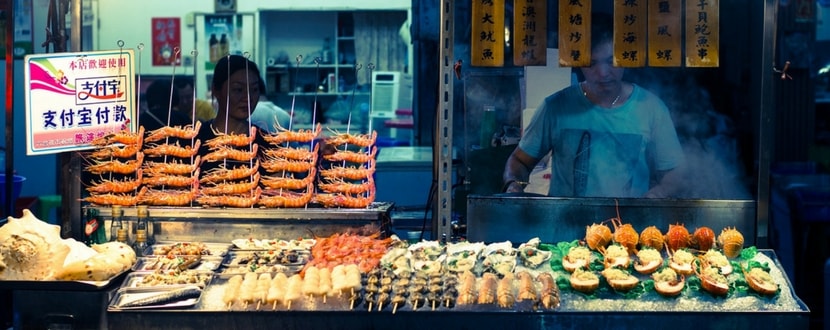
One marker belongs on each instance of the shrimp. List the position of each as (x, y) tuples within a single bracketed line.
[(343, 187), (187, 132), (116, 199), (116, 186), (232, 188), (235, 140), (173, 150), (127, 151), (171, 197), (300, 136), (352, 156), (360, 140), (171, 180), (232, 201), (274, 164), (288, 198), (223, 153), (351, 173), (275, 182), (122, 136), (223, 174), (178, 168), (347, 201), (293, 153), (117, 166)]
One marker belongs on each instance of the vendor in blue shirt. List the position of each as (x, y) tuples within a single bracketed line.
[(607, 137)]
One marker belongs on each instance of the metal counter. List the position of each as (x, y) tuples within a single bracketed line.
[(555, 219), (617, 312)]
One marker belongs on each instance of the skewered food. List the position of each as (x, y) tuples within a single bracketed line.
[(232, 290), (488, 289), (466, 288), (162, 298)]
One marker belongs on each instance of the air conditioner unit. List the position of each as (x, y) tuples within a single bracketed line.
[(391, 91)]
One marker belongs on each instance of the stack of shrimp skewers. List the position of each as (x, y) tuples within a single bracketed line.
[(290, 160), (348, 182), (235, 182), (172, 172), (117, 161)]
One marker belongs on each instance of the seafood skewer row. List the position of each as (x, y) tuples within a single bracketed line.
[(228, 140), (231, 201), (174, 150), (222, 173), (117, 166), (126, 151), (172, 180), (351, 173), (171, 197), (347, 201), (117, 199), (232, 188), (293, 153), (174, 167), (290, 183), (116, 186), (288, 198), (225, 152), (274, 164), (352, 156), (124, 137), (299, 136), (182, 132), (342, 187), (359, 140)]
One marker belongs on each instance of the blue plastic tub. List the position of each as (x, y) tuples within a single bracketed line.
[(16, 187)]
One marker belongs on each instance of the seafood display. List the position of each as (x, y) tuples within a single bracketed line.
[(346, 179), (117, 162)]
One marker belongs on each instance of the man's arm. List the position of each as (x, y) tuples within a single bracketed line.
[(517, 170), (668, 185)]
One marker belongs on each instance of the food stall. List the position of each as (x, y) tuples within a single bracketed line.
[(502, 231)]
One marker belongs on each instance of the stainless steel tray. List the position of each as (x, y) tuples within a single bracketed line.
[(253, 244), (153, 263), (199, 278), (241, 262), (172, 248), (124, 295)]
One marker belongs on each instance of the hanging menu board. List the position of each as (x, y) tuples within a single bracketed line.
[(487, 39), (530, 25), (664, 33), (630, 30), (574, 33), (702, 33)]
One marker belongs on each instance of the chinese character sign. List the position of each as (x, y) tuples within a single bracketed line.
[(487, 39), (664, 33), (574, 33), (73, 98), (530, 38), (166, 37), (630, 26), (702, 31)]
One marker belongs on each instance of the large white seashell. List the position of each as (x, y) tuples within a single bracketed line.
[(30, 249)]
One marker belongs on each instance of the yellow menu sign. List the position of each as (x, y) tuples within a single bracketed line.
[(702, 33), (575, 33), (530, 26), (630, 26), (487, 39), (664, 33)]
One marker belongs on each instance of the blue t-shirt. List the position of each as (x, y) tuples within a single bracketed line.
[(599, 152)]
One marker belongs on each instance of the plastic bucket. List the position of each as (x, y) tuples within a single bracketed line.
[(16, 187)]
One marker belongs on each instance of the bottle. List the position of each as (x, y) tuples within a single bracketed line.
[(141, 224), (488, 127), (94, 229), (118, 231), (214, 48), (224, 47), (326, 58)]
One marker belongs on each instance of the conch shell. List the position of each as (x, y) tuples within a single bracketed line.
[(30, 249)]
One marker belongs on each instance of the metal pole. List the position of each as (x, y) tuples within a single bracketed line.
[(69, 175), (442, 214), (9, 202), (766, 127)]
